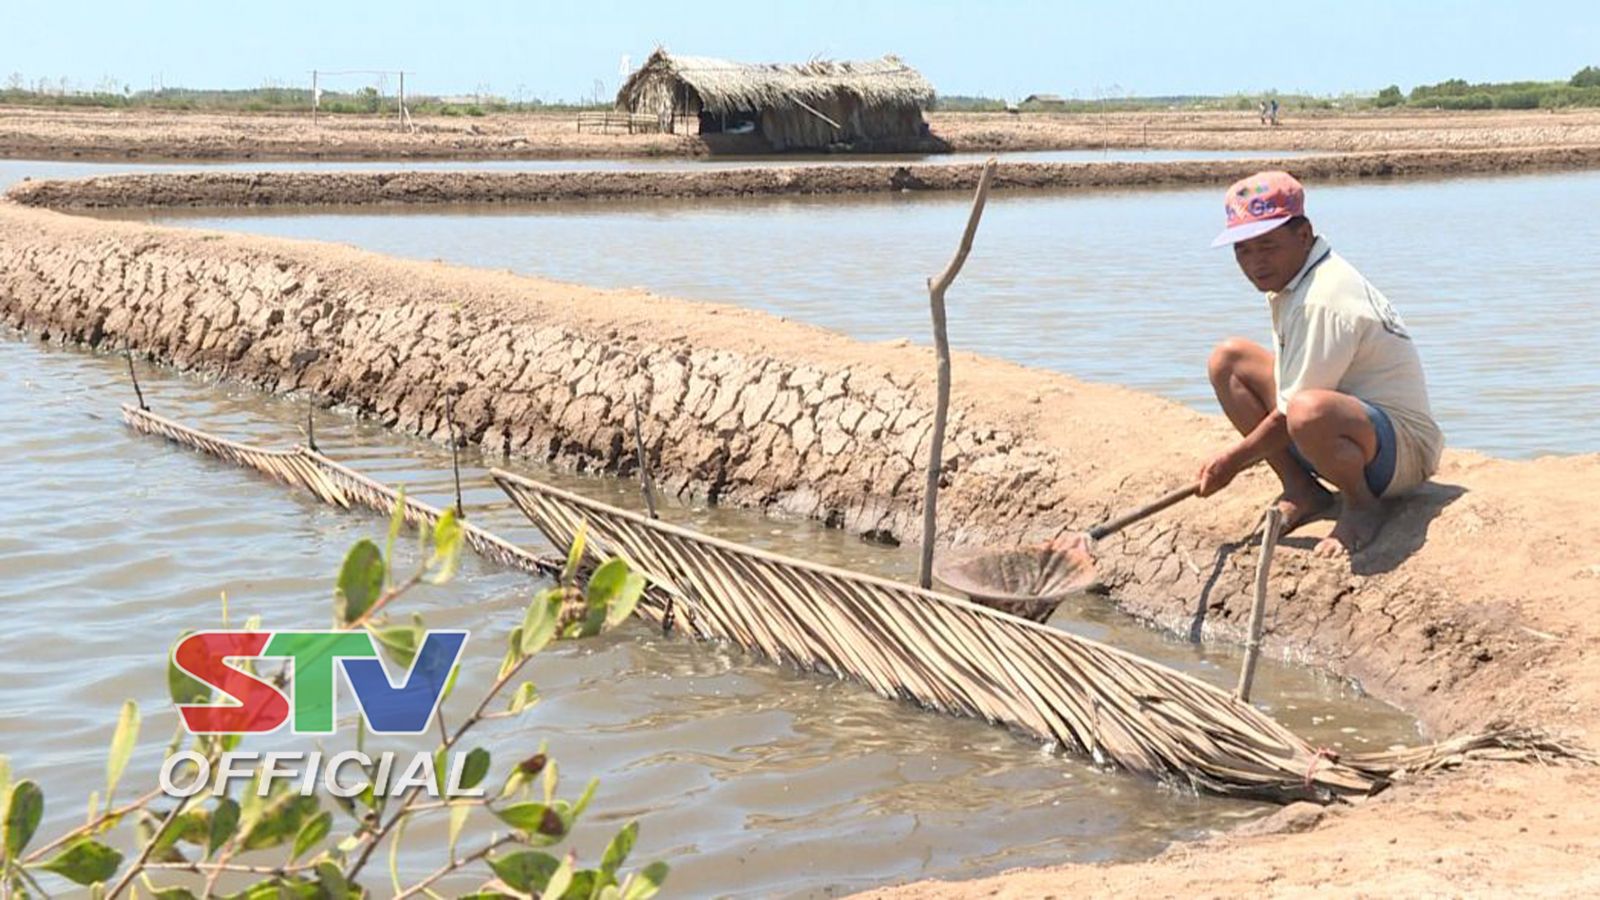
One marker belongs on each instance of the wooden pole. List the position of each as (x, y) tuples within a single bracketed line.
[(1258, 611), (455, 459), (315, 99), (647, 483), (941, 341)]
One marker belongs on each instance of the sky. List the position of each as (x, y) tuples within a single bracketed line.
[(558, 51)]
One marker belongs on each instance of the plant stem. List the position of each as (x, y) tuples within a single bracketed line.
[(455, 864), (408, 584), (203, 868), (149, 847), (376, 837), (91, 826)]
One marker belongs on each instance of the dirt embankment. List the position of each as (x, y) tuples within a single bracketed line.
[(232, 189), (1472, 607), (47, 133), (1363, 132)]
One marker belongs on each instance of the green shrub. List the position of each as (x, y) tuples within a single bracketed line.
[(474, 110), (1587, 77), (1389, 96), (1479, 100), (1524, 99)]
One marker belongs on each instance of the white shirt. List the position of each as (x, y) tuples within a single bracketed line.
[(1335, 331)]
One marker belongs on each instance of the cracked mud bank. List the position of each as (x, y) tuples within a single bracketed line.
[(259, 189)]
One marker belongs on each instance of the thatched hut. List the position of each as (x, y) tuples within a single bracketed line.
[(870, 105)]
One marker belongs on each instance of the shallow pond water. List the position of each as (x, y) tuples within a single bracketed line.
[(1113, 286), (752, 780)]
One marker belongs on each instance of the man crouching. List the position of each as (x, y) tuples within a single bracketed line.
[(1343, 399)]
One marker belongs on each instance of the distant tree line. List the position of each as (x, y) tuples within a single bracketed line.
[(18, 91), (1582, 89)]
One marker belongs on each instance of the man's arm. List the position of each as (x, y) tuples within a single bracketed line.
[(1269, 437)]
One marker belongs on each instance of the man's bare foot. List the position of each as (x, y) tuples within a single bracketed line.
[(1300, 507), (1356, 529)]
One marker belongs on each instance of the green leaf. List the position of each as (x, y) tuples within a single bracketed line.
[(619, 848), (541, 825), (184, 689), (525, 870), (588, 794), (540, 621), (645, 883), (575, 554), (458, 820), (191, 826), (279, 821), (334, 887), (583, 884), (560, 880), (276, 889), (513, 653), (397, 520), (122, 743), (224, 824), (447, 539), (174, 893), (450, 683), (23, 811), (85, 862), (525, 696), (360, 582), (551, 778), (475, 769), (522, 816), (5, 781), (311, 834), (614, 590), (401, 641)]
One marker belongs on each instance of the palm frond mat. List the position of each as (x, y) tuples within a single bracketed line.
[(906, 643), (965, 659)]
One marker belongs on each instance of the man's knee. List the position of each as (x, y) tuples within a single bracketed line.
[(1227, 357), (1313, 412)]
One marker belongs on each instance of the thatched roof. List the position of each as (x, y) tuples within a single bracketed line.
[(726, 86)]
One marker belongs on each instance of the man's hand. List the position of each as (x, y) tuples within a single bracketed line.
[(1218, 472)]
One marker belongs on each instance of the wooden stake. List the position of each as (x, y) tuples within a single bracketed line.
[(1258, 611), (647, 484), (455, 460), (128, 352), (941, 341)]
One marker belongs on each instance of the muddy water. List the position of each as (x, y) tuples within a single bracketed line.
[(752, 780), (15, 170), (1110, 286)]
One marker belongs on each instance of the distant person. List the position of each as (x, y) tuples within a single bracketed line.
[(1261, 111), (1343, 399), (1272, 111)]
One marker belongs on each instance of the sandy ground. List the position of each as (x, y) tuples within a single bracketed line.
[(1476, 604), (27, 132), (1351, 132)]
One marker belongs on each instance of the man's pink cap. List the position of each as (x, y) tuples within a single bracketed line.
[(1260, 203)]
